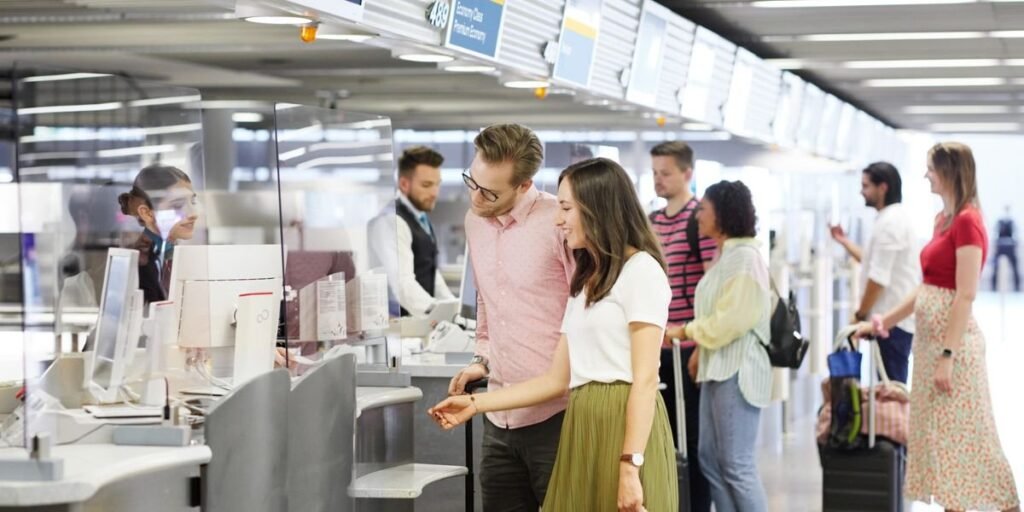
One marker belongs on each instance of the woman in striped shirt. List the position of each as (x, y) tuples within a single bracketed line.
[(731, 327)]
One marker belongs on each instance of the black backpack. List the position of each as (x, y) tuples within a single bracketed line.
[(787, 346)]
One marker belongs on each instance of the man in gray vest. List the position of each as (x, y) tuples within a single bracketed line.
[(418, 283)]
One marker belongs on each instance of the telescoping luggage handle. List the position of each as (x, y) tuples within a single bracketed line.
[(677, 373), (874, 358)]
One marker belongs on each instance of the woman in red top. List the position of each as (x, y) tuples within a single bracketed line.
[(954, 454)]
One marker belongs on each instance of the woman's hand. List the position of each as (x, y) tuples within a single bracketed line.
[(693, 364), (675, 332), (631, 492), (944, 375), (453, 411)]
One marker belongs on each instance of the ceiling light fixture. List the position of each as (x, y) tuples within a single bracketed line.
[(974, 127), (1007, 34), (426, 57), (799, 4), (597, 103), (336, 33), (526, 84), (955, 109), (788, 63), (63, 76), (921, 63), (470, 69), (278, 20), (934, 82), (246, 117), (166, 100), (878, 36), (63, 109)]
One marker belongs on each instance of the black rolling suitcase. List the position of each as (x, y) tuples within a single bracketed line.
[(682, 463), (864, 480)]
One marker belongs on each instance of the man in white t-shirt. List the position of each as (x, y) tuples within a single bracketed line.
[(892, 267)]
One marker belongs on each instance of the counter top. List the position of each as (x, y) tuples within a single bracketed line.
[(427, 364), (90, 467), (402, 482), (372, 397)]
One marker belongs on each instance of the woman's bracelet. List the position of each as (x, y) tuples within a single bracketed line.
[(472, 400)]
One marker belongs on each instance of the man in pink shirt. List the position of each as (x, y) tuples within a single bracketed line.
[(522, 270)]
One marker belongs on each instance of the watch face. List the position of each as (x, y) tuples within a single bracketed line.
[(638, 459)]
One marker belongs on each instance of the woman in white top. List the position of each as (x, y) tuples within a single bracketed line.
[(615, 450), (731, 328)]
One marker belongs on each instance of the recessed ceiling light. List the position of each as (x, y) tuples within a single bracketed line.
[(279, 20), (470, 69), (597, 103), (426, 57), (974, 127), (933, 82), (877, 36), (526, 84), (955, 109), (622, 108), (800, 4), (1007, 34), (921, 63), (355, 38)]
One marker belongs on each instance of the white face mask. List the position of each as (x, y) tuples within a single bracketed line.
[(166, 220)]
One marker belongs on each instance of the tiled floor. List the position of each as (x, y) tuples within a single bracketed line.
[(793, 476)]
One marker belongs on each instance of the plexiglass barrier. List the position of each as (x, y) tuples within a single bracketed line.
[(338, 225), (105, 185)]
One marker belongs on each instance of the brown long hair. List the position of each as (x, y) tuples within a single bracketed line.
[(954, 163), (612, 221)]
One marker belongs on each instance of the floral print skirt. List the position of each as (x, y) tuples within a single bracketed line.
[(954, 454)]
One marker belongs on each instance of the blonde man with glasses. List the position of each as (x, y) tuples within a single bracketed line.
[(522, 271)]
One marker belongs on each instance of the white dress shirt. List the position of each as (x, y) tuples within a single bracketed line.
[(391, 248), (891, 259)]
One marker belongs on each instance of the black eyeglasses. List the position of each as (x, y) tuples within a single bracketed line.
[(472, 185)]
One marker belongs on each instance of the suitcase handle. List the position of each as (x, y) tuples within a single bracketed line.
[(677, 373)]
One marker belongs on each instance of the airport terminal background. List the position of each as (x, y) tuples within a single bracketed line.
[(292, 144)]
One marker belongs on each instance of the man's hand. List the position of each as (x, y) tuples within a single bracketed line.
[(838, 234), (465, 376)]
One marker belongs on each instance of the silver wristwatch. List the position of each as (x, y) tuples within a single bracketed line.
[(482, 361)]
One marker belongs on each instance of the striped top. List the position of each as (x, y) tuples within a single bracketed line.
[(733, 312), (684, 269)]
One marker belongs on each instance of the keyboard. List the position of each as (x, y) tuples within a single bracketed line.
[(123, 411)]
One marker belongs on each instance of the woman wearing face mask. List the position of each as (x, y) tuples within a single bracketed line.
[(953, 455), (164, 203), (615, 450)]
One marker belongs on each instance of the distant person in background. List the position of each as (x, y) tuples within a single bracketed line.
[(418, 283), (688, 256), (165, 204), (1006, 245), (891, 268)]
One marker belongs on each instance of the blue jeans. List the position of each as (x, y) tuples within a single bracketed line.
[(728, 446), (896, 354)]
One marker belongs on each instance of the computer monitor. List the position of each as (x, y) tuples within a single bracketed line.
[(118, 326), (206, 281), (467, 289)]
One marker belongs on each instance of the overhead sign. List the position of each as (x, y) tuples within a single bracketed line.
[(347, 9), (648, 54), (475, 26), (577, 44)]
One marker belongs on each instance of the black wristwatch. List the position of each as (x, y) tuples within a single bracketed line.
[(947, 353), (482, 361)]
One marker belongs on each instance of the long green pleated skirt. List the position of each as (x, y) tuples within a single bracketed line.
[(586, 473)]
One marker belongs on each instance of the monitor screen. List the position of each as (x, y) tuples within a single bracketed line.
[(467, 292), (112, 316)]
